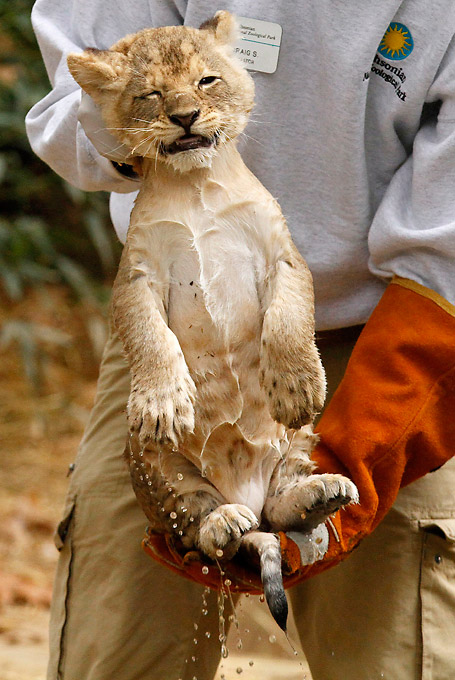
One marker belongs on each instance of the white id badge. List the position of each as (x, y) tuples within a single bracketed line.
[(259, 44)]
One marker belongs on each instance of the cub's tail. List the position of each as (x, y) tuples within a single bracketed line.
[(264, 548)]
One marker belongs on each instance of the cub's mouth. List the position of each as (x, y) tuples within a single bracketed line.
[(190, 142)]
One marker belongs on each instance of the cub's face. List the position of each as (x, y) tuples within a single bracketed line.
[(174, 94)]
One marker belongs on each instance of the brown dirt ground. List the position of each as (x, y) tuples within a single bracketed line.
[(41, 421)]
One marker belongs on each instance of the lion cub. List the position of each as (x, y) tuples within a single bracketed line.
[(213, 304)]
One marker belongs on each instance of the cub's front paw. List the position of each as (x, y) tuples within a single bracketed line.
[(295, 391), (223, 528), (162, 415)]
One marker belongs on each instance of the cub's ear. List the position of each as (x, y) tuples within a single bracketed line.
[(223, 26), (97, 70)]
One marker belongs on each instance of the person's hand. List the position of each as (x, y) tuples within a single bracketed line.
[(89, 116), (390, 421)]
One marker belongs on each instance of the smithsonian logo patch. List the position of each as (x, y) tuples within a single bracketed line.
[(397, 42)]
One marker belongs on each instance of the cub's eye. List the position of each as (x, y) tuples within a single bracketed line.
[(150, 95), (208, 80)]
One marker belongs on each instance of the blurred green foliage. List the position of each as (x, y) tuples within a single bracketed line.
[(49, 231)]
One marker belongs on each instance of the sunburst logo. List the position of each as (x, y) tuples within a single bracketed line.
[(397, 42)]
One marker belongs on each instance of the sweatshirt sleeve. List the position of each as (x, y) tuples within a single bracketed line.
[(413, 231), (63, 26)]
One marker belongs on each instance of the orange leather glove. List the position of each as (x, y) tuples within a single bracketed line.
[(390, 422)]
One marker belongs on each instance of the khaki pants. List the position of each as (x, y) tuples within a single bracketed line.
[(387, 612)]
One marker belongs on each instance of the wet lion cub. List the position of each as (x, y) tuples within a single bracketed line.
[(213, 304)]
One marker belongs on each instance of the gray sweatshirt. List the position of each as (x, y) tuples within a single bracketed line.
[(354, 133)]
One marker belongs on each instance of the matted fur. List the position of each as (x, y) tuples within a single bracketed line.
[(213, 303)]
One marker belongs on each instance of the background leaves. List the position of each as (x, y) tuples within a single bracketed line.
[(51, 234)]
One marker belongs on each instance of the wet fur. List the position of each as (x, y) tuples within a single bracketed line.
[(214, 306)]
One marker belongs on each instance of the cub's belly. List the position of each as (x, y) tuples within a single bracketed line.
[(220, 342), (217, 322)]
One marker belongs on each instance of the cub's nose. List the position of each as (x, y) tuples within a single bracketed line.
[(185, 120)]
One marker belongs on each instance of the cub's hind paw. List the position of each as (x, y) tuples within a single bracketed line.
[(338, 492), (223, 528), (304, 505)]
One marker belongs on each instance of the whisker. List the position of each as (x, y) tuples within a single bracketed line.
[(132, 131), (253, 139)]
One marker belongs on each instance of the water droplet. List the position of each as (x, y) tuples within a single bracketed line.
[(195, 626), (219, 553), (272, 639), (239, 670), (193, 658), (231, 618), (149, 483), (169, 488), (207, 634), (250, 663), (332, 653), (184, 509), (247, 630), (247, 594), (195, 641), (174, 526), (239, 644), (191, 519), (205, 570), (261, 598), (228, 582), (180, 476), (205, 612), (180, 533), (224, 651), (173, 515)]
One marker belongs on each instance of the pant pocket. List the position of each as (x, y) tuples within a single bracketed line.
[(437, 595), (59, 607)]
